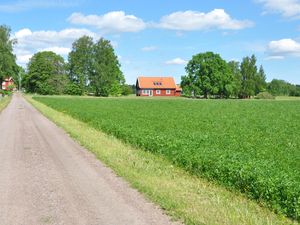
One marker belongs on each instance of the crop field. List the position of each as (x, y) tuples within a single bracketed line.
[(251, 146)]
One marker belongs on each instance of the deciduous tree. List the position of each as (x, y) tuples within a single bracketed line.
[(8, 66), (235, 70), (260, 80), (208, 74), (107, 77), (248, 71), (46, 74), (80, 64)]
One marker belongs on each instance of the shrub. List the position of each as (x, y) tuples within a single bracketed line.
[(5, 92), (73, 89), (264, 95), (127, 90)]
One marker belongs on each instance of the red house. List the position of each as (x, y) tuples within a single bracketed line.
[(157, 86), (6, 83)]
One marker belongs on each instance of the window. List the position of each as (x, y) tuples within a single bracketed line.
[(145, 92), (158, 92), (157, 83), (168, 92)]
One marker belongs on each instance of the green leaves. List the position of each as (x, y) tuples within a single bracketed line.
[(8, 65), (46, 74), (94, 67), (107, 78), (207, 74), (281, 87), (80, 63)]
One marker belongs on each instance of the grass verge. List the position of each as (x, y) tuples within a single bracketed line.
[(184, 197), (287, 98), (4, 102)]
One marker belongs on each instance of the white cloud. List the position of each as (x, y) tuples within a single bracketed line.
[(60, 42), (21, 5), (115, 44), (111, 22), (287, 8), (284, 47), (254, 46), (149, 48), (194, 20), (274, 58), (176, 61), (23, 59), (57, 50)]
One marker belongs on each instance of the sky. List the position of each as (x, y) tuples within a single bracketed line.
[(159, 37)]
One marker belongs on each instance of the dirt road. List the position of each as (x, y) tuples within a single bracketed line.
[(46, 178)]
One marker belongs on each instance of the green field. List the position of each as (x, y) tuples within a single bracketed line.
[(252, 146)]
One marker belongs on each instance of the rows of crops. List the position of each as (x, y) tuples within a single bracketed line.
[(253, 146)]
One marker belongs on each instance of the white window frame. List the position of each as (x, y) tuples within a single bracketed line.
[(168, 92), (147, 92), (158, 92)]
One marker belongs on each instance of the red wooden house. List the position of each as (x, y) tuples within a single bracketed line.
[(157, 86), (6, 83)]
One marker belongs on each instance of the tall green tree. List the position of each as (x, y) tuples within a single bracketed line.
[(207, 74), (235, 70), (8, 65), (20, 77), (260, 80), (107, 77), (249, 72), (80, 63), (46, 74)]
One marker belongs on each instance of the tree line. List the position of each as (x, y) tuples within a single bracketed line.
[(209, 75), (92, 68), (280, 87)]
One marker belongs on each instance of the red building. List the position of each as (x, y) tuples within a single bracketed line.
[(6, 83), (157, 86)]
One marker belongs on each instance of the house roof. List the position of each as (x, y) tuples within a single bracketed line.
[(8, 79), (156, 82)]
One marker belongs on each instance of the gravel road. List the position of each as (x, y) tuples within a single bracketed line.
[(47, 178)]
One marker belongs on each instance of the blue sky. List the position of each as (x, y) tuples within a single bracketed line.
[(158, 37)]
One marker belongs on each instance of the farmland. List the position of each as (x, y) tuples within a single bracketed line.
[(252, 146)]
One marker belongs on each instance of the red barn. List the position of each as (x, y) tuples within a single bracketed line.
[(6, 83), (157, 86)]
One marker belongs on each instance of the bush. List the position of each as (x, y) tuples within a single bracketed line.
[(127, 90), (5, 92), (264, 95), (73, 89)]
